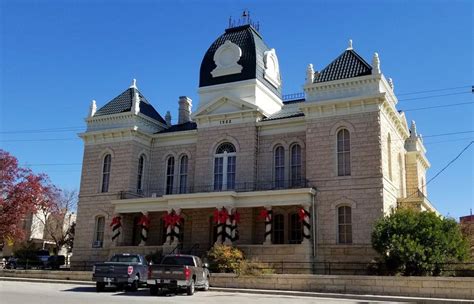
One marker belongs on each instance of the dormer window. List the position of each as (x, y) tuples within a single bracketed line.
[(226, 58)]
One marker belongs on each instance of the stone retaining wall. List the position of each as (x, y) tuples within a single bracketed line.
[(433, 287)]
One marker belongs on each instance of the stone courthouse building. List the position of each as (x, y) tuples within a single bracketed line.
[(300, 179)]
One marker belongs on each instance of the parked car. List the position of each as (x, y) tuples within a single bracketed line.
[(178, 273), (38, 259), (122, 270), (56, 261)]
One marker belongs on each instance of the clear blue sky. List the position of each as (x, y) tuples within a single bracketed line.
[(56, 56)]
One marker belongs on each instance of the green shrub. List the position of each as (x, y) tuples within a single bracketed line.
[(224, 258), (254, 268), (417, 243)]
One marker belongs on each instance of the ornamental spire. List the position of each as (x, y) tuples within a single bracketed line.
[(376, 64), (310, 74), (350, 45), (134, 84), (93, 108)]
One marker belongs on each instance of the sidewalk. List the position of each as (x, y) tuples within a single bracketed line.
[(272, 292)]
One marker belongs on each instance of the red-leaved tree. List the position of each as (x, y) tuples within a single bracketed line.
[(21, 192)]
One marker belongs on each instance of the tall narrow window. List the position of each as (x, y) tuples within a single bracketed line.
[(170, 175), (344, 225), (183, 174), (224, 167), (99, 231), (400, 168), (343, 153), (106, 173), (389, 155), (295, 164), (141, 165), (295, 234), (279, 159), (278, 229)]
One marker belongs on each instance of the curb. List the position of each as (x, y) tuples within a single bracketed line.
[(272, 292)]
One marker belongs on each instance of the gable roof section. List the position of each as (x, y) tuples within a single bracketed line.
[(348, 65), (123, 103)]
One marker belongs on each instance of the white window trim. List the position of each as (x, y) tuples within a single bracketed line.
[(225, 156)]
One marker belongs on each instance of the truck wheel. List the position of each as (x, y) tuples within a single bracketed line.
[(154, 290), (190, 289), (99, 287), (206, 285), (134, 286)]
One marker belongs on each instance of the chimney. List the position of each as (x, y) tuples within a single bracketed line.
[(185, 105), (168, 118)]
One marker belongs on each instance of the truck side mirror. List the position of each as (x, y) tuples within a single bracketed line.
[(150, 263), (205, 265)]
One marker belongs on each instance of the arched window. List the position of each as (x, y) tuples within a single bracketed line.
[(141, 166), (106, 173), (389, 154), (295, 234), (278, 229), (99, 232), (224, 167), (400, 168), (344, 214), (295, 164), (183, 174), (279, 160), (170, 175), (343, 153)]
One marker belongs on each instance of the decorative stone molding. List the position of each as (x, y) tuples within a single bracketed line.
[(272, 68), (344, 201), (309, 74), (93, 108), (226, 58), (225, 138), (376, 64), (342, 124)]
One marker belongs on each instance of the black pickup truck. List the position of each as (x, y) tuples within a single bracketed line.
[(123, 270), (178, 273)]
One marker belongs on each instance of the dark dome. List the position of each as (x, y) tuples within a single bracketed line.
[(253, 48)]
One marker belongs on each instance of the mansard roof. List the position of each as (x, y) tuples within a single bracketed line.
[(290, 109), (123, 103), (253, 48), (348, 65)]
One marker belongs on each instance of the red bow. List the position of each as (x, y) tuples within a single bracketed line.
[(302, 214), (264, 214), (216, 216), (115, 221), (144, 221), (172, 219), (221, 216)]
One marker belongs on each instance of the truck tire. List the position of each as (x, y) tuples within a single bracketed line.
[(190, 289), (154, 290), (206, 285), (135, 284), (99, 286)]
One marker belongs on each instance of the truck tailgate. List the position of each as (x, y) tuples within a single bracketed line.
[(169, 272)]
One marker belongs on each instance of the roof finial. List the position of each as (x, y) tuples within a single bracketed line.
[(134, 84), (376, 64), (390, 83), (350, 45), (309, 74), (413, 132), (93, 108)]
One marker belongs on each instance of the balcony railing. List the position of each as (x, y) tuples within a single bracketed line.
[(238, 187)]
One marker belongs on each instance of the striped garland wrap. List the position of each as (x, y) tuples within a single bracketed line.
[(222, 219), (173, 221), (267, 215), (144, 223), (234, 220), (305, 219), (116, 225)]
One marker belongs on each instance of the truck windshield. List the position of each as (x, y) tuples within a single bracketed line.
[(178, 260), (125, 259)]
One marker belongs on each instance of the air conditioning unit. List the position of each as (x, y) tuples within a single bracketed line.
[(97, 244), (153, 194)]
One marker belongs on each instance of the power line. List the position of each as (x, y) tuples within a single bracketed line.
[(434, 90), (448, 140), (434, 96), (52, 164), (38, 140), (450, 163), (439, 106)]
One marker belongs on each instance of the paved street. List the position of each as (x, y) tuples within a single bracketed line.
[(39, 293)]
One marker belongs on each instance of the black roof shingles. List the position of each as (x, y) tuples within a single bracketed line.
[(123, 103), (187, 126), (290, 109), (348, 65), (253, 48)]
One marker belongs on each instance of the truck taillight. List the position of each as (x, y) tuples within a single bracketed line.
[(187, 272), (130, 270)]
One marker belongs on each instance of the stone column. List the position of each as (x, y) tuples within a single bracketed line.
[(144, 221), (116, 225), (176, 229), (233, 226), (227, 240), (219, 227), (306, 224), (268, 225)]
